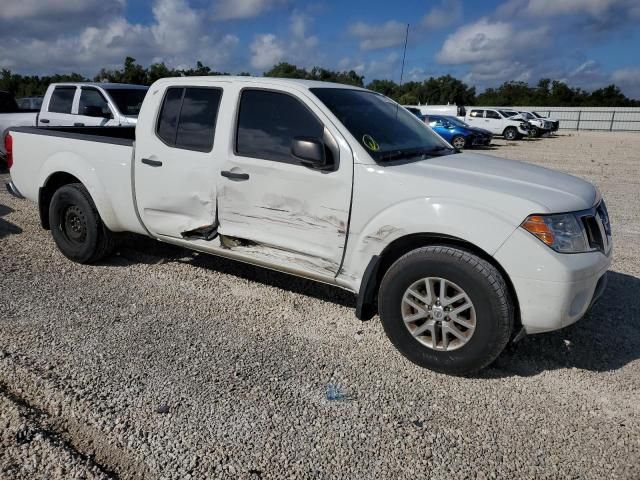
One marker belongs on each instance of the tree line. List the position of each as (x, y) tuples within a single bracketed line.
[(434, 90)]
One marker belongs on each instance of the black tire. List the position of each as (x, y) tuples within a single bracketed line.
[(510, 133), (484, 285), (76, 225), (459, 142)]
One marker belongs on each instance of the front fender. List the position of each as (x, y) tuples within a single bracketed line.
[(76, 165), (445, 216)]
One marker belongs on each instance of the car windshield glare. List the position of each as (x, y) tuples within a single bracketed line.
[(385, 129), (128, 100)]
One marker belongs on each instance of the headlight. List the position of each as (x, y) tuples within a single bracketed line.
[(565, 233)]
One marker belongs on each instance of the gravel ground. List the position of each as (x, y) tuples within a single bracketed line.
[(163, 363)]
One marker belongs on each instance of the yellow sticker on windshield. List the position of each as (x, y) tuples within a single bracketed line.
[(370, 143)]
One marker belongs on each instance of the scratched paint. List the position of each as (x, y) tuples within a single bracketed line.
[(278, 255), (382, 234)]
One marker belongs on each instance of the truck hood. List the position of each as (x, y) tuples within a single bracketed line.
[(514, 188)]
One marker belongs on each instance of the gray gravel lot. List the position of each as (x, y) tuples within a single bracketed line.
[(164, 363)]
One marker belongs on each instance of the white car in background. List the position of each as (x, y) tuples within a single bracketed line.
[(554, 121), (498, 122), (539, 126)]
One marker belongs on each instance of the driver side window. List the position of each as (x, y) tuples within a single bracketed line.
[(268, 122), (93, 99)]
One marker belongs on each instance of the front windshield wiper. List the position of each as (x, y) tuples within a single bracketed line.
[(414, 152)]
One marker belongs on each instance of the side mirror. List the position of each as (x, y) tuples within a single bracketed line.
[(310, 151), (94, 111)]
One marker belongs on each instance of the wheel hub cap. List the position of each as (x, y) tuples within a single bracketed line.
[(74, 225), (438, 314)]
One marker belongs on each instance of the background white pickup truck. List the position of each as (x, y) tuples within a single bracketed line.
[(497, 122), (456, 251), (81, 104)]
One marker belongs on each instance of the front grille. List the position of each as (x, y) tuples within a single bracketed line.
[(598, 228)]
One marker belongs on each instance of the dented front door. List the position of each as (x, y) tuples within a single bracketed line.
[(270, 205), (175, 168)]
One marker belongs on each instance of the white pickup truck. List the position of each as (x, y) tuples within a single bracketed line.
[(498, 122), (458, 252), (81, 104)]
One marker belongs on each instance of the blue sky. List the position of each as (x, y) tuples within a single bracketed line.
[(587, 43)]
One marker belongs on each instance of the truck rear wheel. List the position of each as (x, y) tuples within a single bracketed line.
[(446, 309), (76, 225)]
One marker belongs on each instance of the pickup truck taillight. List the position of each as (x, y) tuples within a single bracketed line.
[(8, 148)]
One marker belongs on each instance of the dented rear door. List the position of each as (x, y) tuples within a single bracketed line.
[(175, 160), (272, 206)]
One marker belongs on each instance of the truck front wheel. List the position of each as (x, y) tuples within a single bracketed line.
[(76, 226), (446, 309)]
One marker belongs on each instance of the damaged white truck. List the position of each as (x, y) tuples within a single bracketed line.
[(459, 253)]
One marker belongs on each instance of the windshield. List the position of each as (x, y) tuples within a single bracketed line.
[(527, 115), (538, 115), (386, 130), (128, 100), (508, 113)]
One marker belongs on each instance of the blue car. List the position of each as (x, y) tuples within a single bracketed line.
[(458, 133)]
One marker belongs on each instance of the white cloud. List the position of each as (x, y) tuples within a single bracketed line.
[(628, 79), (266, 51), (298, 47), (591, 15), (447, 13), (177, 36), (242, 9), (488, 41), (347, 64), (372, 37), (29, 9)]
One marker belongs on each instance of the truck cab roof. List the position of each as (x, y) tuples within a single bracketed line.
[(102, 85), (306, 84)]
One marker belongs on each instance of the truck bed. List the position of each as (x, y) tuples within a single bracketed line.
[(98, 157)]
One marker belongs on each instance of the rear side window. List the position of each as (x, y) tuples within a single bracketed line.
[(188, 117), (476, 113), (493, 114), (62, 99), (269, 121)]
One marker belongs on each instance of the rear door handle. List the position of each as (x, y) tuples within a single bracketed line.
[(234, 175), (153, 163), (44, 120)]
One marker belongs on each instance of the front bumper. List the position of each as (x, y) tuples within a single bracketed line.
[(553, 290), (481, 140), (13, 190)]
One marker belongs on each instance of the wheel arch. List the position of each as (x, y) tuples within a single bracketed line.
[(367, 302), (46, 191)]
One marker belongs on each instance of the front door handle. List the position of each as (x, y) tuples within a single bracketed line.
[(44, 120), (153, 163), (234, 175)]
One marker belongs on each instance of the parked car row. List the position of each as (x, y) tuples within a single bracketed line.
[(476, 125)]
